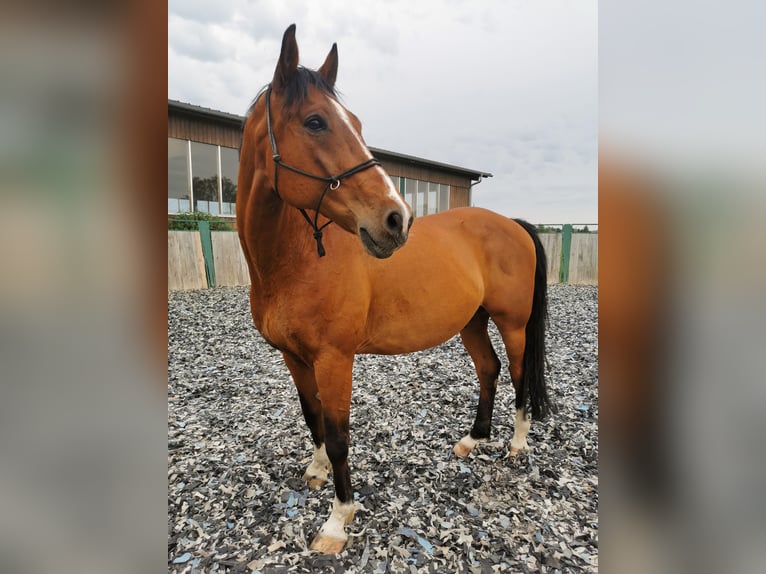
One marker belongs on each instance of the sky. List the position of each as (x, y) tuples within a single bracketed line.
[(505, 87)]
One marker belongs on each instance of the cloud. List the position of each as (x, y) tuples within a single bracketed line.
[(505, 87), (199, 42), (201, 11)]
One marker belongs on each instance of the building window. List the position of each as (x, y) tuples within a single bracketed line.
[(229, 169), (443, 197), (395, 181), (179, 198), (433, 197), (204, 162), (425, 197), (410, 191), (201, 177), (424, 202)]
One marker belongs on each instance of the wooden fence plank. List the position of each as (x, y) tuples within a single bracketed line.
[(230, 265), (583, 263), (552, 245), (186, 265)]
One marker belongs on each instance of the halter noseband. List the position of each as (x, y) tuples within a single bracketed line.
[(333, 182)]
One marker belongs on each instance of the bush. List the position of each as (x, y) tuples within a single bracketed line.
[(188, 222)]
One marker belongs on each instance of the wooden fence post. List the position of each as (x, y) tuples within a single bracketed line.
[(566, 250)]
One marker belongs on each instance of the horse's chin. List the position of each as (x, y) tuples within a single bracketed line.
[(380, 249)]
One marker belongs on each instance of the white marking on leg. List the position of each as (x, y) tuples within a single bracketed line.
[(320, 465), (466, 444), (342, 513), (520, 430)]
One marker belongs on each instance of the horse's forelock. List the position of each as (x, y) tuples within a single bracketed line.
[(296, 90), (298, 86)]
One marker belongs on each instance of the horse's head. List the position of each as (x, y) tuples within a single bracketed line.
[(318, 159)]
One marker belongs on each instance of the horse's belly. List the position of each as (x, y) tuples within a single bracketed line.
[(422, 326), (419, 301)]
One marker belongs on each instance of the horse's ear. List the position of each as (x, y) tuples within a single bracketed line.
[(288, 60), (329, 70)]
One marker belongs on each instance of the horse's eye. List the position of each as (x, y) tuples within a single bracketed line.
[(315, 123)]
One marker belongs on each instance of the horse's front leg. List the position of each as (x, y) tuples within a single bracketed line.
[(333, 376), (303, 376)]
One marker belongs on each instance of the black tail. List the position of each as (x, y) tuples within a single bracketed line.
[(534, 395)]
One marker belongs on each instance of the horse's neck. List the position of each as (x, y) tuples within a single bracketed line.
[(277, 235)]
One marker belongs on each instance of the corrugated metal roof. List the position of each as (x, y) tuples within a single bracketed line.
[(378, 152)]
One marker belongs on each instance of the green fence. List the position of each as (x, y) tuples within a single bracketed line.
[(586, 255), (204, 227)]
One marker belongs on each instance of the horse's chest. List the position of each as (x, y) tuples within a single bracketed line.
[(298, 318), (279, 325)]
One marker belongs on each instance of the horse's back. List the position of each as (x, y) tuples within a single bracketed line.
[(501, 247), (477, 224)]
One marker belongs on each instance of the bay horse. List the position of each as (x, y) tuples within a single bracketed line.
[(368, 279)]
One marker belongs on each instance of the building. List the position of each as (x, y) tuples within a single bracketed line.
[(203, 156)]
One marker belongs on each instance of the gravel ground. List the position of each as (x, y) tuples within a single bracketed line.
[(238, 446)]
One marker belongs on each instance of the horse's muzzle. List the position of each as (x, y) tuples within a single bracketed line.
[(389, 237)]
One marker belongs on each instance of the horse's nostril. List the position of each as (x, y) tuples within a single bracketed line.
[(394, 221)]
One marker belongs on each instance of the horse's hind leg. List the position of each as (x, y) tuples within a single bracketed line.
[(514, 339), (303, 376), (476, 341)]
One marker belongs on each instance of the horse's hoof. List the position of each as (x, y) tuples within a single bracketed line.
[(516, 450), (314, 482), (327, 545), (466, 444), (462, 450)]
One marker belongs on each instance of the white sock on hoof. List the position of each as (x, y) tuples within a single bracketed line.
[(520, 430), (342, 513), (320, 466)]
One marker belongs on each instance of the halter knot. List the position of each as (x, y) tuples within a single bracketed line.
[(320, 248)]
